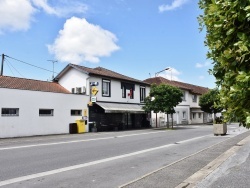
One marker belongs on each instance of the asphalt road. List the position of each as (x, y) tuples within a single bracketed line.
[(99, 159)]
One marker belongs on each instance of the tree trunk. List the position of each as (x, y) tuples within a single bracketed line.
[(156, 121), (172, 121), (167, 121)]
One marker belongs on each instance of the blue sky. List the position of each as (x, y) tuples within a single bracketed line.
[(136, 38)]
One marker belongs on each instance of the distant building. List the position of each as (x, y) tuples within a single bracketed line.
[(188, 111)]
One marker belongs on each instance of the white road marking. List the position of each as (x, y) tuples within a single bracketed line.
[(52, 172), (183, 141), (77, 141)]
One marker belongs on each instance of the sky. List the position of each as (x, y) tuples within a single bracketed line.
[(137, 38)]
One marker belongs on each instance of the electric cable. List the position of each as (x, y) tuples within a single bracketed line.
[(29, 64)]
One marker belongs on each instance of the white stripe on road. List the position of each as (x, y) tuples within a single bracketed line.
[(76, 141), (183, 141), (52, 172)]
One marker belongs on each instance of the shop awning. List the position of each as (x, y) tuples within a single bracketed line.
[(121, 108)]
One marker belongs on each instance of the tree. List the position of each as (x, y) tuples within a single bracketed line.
[(163, 98), (227, 25), (210, 102)]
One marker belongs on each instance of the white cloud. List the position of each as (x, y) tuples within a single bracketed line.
[(16, 15), (201, 65), (174, 5), (61, 8), (80, 41), (171, 74)]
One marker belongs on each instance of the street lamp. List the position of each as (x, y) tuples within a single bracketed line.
[(156, 74)]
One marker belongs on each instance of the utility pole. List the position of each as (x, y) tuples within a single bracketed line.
[(1, 74), (53, 61)]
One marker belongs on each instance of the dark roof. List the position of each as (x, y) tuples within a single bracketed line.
[(100, 71), (192, 88), (33, 85)]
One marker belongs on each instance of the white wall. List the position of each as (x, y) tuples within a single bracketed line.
[(74, 78), (29, 122)]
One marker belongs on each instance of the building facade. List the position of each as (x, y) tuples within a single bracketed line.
[(117, 104), (32, 107), (188, 111)]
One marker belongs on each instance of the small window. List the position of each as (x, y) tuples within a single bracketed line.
[(106, 88), (46, 112), (194, 115), (142, 94), (184, 115), (194, 98), (200, 115), (183, 96), (123, 91), (10, 112), (76, 112)]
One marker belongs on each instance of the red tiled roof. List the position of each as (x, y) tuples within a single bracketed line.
[(33, 85), (193, 88), (100, 71)]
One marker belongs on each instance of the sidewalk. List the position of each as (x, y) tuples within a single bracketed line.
[(187, 172), (234, 172)]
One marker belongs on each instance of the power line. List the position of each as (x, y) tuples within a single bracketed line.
[(10, 69), (28, 63), (14, 68)]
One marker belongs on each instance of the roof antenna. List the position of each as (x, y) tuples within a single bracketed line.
[(53, 61)]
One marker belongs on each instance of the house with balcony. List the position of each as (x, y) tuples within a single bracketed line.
[(188, 111), (115, 100)]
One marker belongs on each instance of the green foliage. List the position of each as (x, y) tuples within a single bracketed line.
[(163, 98), (227, 25), (210, 102)]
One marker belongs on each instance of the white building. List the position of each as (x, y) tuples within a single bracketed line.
[(119, 100), (32, 107), (188, 111)]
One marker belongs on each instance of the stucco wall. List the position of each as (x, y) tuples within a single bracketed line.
[(74, 78), (29, 122)]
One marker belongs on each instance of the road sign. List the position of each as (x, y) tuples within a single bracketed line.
[(93, 99), (94, 90)]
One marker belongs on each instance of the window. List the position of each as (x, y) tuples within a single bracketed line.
[(123, 91), (76, 112), (73, 90), (10, 112), (183, 96), (106, 88), (200, 115), (131, 93), (194, 98), (127, 86), (194, 115), (46, 112), (184, 115), (142, 93)]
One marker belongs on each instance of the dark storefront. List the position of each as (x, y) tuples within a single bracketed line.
[(117, 116)]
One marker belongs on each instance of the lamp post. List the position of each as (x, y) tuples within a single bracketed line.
[(156, 74)]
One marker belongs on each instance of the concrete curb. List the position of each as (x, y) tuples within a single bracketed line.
[(204, 172)]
